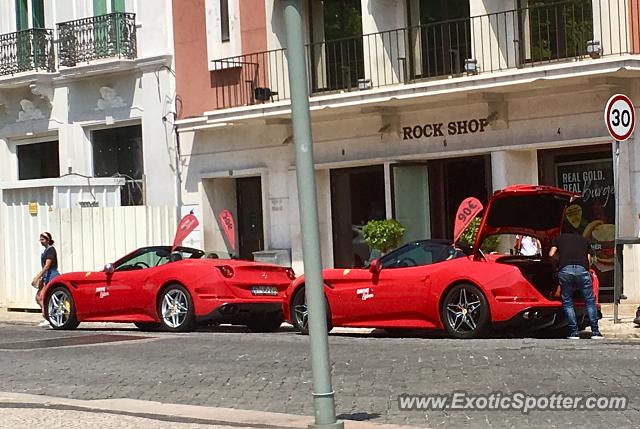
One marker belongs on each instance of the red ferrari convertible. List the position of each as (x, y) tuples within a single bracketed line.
[(430, 284), (156, 288)]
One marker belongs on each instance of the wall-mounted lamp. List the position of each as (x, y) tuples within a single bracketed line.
[(593, 49), (471, 66), (364, 84)]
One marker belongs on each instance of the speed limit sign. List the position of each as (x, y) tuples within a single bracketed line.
[(620, 117)]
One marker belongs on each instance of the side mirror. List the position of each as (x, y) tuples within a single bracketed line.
[(108, 269), (375, 266)]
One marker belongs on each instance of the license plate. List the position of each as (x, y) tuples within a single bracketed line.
[(264, 290)]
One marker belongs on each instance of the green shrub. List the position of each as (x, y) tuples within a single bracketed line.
[(469, 235), (383, 235)]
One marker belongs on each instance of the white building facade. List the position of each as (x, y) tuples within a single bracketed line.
[(414, 107), (87, 108)]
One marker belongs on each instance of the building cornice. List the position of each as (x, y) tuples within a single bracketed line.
[(67, 181), (412, 93), (93, 69)]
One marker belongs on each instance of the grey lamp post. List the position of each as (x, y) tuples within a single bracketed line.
[(323, 395)]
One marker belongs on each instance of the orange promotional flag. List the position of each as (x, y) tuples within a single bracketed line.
[(228, 227), (187, 224), (467, 210)]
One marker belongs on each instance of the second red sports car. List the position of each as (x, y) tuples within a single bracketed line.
[(154, 287), (431, 284)]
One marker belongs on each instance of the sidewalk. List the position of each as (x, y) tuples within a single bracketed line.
[(23, 411), (625, 329)]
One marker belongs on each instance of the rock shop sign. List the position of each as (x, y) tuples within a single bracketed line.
[(439, 129)]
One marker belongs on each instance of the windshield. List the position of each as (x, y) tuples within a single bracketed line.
[(420, 253), (148, 257)]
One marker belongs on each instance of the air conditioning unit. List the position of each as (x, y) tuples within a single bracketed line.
[(280, 257)]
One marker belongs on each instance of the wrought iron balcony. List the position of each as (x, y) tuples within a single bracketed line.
[(105, 36), (569, 30), (27, 50)]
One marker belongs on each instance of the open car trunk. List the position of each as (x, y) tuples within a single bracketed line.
[(541, 272), (528, 210)]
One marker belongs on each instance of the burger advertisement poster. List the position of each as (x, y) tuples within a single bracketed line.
[(594, 214)]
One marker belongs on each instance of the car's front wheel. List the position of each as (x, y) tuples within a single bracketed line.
[(176, 309), (61, 309), (465, 312), (300, 312)]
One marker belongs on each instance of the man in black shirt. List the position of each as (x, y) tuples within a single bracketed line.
[(574, 261)]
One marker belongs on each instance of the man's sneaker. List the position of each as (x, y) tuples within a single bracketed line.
[(44, 323), (597, 337), (637, 321), (573, 337)]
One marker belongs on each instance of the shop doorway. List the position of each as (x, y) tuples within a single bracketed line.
[(450, 182), (250, 227), (411, 207), (589, 172), (357, 196)]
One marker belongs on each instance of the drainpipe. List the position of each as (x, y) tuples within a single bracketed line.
[(178, 171), (323, 395)]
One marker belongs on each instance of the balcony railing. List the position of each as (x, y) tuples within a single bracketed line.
[(528, 37), (105, 36), (26, 50)]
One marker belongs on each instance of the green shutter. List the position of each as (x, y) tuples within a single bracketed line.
[(99, 7), (37, 13), (117, 6), (22, 15)]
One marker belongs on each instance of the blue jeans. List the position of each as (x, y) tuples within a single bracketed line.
[(574, 277)]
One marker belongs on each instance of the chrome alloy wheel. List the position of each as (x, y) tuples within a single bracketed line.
[(301, 311), (175, 308), (59, 308), (464, 311)]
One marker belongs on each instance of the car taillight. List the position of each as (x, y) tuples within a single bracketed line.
[(226, 271), (291, 274)]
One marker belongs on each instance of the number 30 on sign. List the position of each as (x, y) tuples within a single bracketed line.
[(620, 117)]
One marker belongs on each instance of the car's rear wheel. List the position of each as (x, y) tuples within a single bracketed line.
[(61, 309), (175, 307), (300, 312), (148, 326), (265, 322), (465, 312)]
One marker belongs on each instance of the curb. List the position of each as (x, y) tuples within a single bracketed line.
[(178, 413)]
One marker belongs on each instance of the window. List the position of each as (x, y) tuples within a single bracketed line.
[(100, 7), (22, 15), (37, 13), (117, 6), (144, 258), (224, 20), (337, 44), (38, 161), (420, 253), (148, 257), (118, 152)]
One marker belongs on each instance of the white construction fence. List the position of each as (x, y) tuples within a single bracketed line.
[(85, 239)]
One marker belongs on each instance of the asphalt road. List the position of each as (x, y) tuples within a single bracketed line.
[(228, 367)]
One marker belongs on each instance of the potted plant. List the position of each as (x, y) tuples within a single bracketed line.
[(383, 235)]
